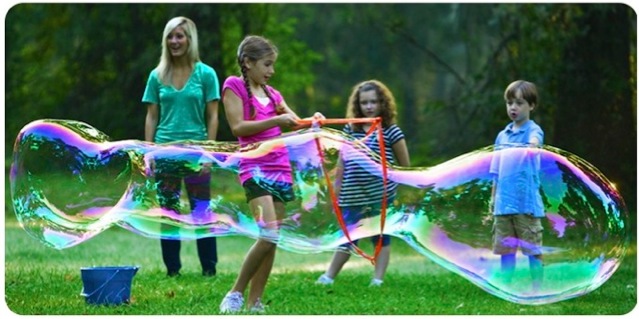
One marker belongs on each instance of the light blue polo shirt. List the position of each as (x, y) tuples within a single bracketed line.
[(516, 166)]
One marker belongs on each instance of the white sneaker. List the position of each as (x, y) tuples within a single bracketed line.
[(258, 307), (324, 280), (376, 282), (232, 302)]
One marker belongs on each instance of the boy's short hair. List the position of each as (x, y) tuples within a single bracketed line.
[(528, 91)]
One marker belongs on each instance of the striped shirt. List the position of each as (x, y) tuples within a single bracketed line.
[(362, 182)]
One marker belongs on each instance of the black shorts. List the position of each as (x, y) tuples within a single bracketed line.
[(281, 191)]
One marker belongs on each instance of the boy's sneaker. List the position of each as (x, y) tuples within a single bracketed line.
[(376, 282), (232, 302), (258, 307), (324, 280)]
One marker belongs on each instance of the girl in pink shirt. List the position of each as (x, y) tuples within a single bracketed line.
[(274, 166), (256, 112)]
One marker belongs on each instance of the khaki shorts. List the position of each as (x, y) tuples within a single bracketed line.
[(513, 231)]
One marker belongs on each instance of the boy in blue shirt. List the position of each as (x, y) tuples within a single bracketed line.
[(516, 201)]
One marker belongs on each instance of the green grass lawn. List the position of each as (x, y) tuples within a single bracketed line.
[(43, 281)]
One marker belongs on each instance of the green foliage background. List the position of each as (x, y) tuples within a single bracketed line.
[(447, 64)]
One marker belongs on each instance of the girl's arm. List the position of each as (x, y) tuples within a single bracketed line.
[(339, 174), (401, 153), (284, 109), (234, 111), (403, 159)]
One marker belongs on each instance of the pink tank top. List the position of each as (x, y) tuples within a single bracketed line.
[(275, 165)]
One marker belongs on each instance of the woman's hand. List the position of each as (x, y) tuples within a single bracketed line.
[(149, 166), (205, 168)]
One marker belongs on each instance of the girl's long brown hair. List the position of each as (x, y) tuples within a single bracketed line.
[(253, 48)]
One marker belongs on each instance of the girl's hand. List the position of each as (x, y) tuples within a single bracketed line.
[(286, 120), (315, 118), (318, 116)]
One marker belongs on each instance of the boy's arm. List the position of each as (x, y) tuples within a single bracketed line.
[(534, 140), (536, 137), (492, 196)]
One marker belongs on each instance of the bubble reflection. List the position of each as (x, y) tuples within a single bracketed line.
[(69, 183)]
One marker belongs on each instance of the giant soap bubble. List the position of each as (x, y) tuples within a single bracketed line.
[(69, 183)]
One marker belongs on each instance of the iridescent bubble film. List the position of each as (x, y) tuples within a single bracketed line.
[(69, 183)]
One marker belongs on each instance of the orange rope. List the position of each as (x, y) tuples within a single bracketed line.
[(376, 125)]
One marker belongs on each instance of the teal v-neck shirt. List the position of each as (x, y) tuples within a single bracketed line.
[(182, 112)]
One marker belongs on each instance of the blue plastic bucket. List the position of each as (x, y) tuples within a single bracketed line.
[(107, 285)]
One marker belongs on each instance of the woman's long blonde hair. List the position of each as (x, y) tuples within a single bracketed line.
[(165, 67)]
